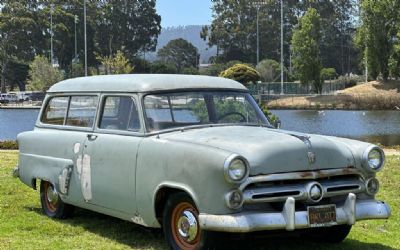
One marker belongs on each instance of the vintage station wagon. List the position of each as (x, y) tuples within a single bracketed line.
[(194, 155)]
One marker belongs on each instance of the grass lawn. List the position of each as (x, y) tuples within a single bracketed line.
[(23, 226)]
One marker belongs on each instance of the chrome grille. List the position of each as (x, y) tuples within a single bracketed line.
[(278, 187)]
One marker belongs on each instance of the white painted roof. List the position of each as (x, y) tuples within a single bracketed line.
[(143, 83)]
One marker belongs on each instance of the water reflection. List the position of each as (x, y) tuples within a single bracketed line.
[(372, 126)]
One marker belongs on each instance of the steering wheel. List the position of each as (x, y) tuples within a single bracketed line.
[(232, 113)]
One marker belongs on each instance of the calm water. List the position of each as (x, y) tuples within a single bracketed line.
[(373, 126)]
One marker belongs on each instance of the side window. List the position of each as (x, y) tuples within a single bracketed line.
[(55, 111), (119, 113), (82, 110)]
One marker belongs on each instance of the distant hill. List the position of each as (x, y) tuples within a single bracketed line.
[(190, 33)]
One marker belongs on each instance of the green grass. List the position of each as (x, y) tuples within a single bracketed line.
[(23, 226)]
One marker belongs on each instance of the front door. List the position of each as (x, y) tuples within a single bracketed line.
[(109, 159)]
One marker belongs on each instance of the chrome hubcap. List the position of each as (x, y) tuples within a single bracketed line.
[(52, 196), (187, 226)]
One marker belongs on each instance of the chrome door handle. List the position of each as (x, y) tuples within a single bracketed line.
[(91, 137)]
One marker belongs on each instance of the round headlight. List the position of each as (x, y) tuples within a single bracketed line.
[(236, 169), (374, 158)]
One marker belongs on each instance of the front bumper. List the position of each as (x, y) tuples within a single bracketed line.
[(289, 219)]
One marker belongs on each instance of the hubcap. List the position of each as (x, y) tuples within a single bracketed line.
[(187, 226), (52, 196)]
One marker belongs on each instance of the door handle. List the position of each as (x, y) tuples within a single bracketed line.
[(91, 137)]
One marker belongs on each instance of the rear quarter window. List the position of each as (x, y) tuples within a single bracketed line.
[(55, 111)]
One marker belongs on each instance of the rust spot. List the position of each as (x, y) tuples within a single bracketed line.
[(306, 174)]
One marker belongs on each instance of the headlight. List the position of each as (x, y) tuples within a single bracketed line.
[(236, 169), (373, 158)]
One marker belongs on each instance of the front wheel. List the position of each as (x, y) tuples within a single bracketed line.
[(181, 224), (51, 202)]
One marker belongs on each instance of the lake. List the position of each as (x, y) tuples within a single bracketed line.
[(373, 126)]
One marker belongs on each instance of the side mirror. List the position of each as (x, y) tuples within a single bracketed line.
[(277, 124)]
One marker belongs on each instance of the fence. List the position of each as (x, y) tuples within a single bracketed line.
[(293, 88)]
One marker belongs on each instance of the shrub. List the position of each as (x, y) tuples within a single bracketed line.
[(8, 145)]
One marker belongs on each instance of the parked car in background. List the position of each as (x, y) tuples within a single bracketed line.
[(22, 96), (194, 155), (8, 97)]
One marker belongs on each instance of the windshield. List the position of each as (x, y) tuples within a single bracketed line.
[(171, 110)]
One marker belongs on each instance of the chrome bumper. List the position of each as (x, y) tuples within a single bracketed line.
[(289, 219), (16, 172)]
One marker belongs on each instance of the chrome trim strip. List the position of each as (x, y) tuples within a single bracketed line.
[(289, 219)]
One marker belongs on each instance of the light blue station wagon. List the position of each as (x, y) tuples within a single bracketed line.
[(194, 155)]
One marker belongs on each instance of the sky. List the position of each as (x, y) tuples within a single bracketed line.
[(184, 12)]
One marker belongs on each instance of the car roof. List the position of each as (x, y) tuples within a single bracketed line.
[(143, 83)]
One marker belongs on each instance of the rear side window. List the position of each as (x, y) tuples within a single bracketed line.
[(119, 113), (82, 111), (56, 111)]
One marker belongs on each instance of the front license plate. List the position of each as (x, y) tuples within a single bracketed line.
[(321, 216)]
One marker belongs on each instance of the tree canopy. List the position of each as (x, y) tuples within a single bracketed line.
[(306, 53), (127, 26), (180, 53)]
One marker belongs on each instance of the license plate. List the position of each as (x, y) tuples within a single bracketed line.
[(321, 216)]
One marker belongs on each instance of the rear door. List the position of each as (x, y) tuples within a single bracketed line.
[(108, 172)]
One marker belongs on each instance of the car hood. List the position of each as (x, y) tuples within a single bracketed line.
[(270, 150)]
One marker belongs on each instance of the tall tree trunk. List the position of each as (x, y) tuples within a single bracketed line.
[(3, 76)]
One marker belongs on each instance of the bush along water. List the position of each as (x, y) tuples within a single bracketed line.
[(9, 145)]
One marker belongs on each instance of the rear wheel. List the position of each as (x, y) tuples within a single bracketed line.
[(181, 224), (334, 234), (51, 202)]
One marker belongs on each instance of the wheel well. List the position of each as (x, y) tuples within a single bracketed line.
[(161, 199), (34, 184)]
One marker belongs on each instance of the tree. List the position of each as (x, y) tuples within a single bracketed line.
[(241, 73), (328, 73), (128, 26), (42, 75), (378, 33), (269, 70), (163, 68), (18, 31), (117, 64), (180, 53), (306, 53)]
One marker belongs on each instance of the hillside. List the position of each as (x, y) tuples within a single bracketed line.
[(190, 33)]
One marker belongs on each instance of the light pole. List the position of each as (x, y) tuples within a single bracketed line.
[(76, 41), (282, 47), (85, 35), (51, 34), (258, 5)]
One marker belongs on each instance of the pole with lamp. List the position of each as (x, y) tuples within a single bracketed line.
[(51, 34), (258, 5)]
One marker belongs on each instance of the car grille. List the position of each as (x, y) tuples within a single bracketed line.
[(278, 187)]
